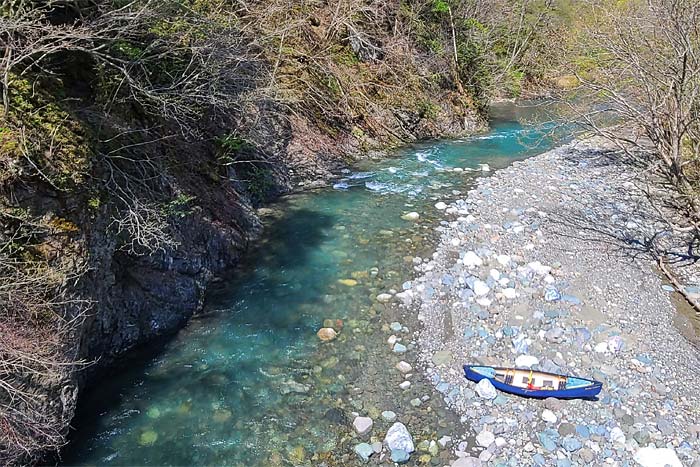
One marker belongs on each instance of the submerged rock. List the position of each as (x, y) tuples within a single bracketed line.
[(362, 424), (398, 437), (326, 334), (364, 451)]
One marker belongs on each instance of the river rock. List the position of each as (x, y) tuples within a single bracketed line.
[(651, 456), (467, 462), (486, 390), (398, 437), (526, 361), (548, 416), (400, 456), (364, 451), (362, 424), (384, 298), (471, 259), (326, 334), (389, 416), (404, 367), (411, 216), (440, 205), (485, 438)]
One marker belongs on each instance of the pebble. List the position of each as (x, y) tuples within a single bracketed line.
[(485, 439), (326, 334), (362, 425), (548, 416), (364, 451), (404, 367), (388, 416), (411, 216), (399, 348)]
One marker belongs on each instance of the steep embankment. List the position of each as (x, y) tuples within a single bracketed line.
[(118, 211)]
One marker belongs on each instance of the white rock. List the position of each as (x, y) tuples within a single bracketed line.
[(405, 385), (362, 424), (455, 242), (480, 288), (392, 340), (486, 390), (509, 293), (503, 260), (484, 167), (539, 268), (404, 367), (601, 348), (652, 456), (495, 274), (411, 216), (440, 205), (548, 416), (485, 438), (444, 441), (398, 437), (471, 259), (467, 462), (500, 442), (384, 297), (617, 436), (526, 361)]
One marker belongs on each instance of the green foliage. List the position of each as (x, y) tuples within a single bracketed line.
[(345, 56), (258, 180), (427, 109), (440, 6), (40, 132), (180, 206)]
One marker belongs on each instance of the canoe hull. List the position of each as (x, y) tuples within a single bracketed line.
[(585, 392)]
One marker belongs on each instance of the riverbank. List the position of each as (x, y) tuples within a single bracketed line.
[(543, 264)]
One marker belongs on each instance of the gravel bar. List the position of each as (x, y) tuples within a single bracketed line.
[(543, 265)]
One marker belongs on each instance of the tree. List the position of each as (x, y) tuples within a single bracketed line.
[(646, 75)]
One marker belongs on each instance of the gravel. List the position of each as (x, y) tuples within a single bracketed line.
[(542, 265)]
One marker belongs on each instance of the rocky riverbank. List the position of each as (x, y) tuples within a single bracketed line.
[(542, 266)]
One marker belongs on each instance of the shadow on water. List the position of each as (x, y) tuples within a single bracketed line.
[(295, 235)]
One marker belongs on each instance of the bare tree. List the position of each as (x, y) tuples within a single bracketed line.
[(647, 77)]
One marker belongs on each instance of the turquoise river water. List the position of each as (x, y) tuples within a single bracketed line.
[(247, 382)]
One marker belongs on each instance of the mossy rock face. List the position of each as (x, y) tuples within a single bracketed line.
[(51, 140)]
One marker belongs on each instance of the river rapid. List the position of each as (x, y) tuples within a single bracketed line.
[(248, 382)]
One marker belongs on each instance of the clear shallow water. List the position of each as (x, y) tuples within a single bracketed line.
[(248, 382)]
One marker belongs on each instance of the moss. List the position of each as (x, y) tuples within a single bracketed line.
[(39, 129), (63, 225)]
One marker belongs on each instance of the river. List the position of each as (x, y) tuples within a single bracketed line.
[(248, 382)]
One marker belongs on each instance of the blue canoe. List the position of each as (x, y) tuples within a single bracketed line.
[(529, 383)]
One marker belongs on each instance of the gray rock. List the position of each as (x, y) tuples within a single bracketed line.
[(389, 416), (398, 437)]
